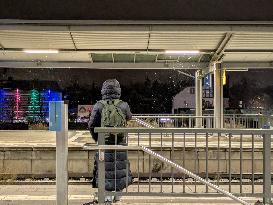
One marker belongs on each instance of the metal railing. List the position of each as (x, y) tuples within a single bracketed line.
[(239, 121), (238, 161)]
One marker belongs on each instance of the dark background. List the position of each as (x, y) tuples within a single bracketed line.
[(195, 10), (147, 91)]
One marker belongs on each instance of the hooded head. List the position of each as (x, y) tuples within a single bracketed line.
[(110, 89)]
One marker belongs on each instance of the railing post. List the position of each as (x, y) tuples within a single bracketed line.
[(198, 98), (101, 170), (62, 158), (267, 169), (58, 121)]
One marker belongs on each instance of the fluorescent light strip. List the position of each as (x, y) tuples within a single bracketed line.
[(40, 51), (237, 70), (182, 52)]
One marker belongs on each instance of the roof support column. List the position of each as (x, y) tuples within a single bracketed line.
[(218, 96), (198, 98)]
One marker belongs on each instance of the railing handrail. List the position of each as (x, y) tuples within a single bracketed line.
[(193, 115), (264, 133), (182, 130), (174, 165), (172, 116)]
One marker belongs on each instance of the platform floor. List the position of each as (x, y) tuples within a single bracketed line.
[(80, 194), (43, 138)]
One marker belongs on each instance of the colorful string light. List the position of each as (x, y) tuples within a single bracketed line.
[(17, 103), (22, 106), (34, 105)]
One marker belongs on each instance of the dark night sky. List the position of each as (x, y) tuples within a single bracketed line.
[(263, 77), (86, 77), (197, 10), (66, 77)]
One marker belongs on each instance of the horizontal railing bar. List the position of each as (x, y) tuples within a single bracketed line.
[(182, 130), (168, 148), (172, 116), (241, 115), (111, 147), (179, 194)]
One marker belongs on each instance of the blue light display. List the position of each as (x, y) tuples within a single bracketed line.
[(2, 104), (8, 105), (48, 96)]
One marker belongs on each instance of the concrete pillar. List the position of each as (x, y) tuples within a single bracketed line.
[(267, 169), (61, 159), (198, 98), (218, 96)]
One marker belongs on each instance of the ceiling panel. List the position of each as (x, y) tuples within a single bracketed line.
[(185, 40), (36, 40), (251, 41), (249, 57), (62, 56), (110, 40)]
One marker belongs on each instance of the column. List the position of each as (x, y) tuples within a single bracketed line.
[(218, 96), (198, 98), (61, 158)]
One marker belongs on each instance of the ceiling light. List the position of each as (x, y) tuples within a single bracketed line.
[(41, 51), (238, 69), (185, 52)]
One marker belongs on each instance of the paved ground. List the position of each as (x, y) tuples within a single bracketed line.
[(80, 194), (40, 138), (43, 138)]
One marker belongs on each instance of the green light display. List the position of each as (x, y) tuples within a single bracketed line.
[(34, 105)]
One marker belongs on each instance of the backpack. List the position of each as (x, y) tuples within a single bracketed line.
[(111, 114)]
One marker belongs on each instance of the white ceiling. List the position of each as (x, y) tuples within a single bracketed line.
[(247, 44)]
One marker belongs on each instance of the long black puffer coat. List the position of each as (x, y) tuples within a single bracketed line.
[(115, 168)]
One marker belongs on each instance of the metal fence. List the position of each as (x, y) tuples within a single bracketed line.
[(237, 161), (239, 121)]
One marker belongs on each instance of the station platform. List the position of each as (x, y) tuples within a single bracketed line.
[(45, 138), (82, 194)]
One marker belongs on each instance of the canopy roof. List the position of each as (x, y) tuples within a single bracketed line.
[(138, 44)]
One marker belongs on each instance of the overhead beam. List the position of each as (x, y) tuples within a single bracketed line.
[(2, 47), (127, 22), (72, 39), (249, 65), (218, 54), (269, 50), (146, 28), (88, 65), (151, 51), (193, 66), (122, 51), (186, 74)]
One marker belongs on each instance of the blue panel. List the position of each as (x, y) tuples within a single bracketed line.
[(55, 115), (47, 96), (207, 81)]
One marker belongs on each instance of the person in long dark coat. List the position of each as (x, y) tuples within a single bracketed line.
[(116, 164)]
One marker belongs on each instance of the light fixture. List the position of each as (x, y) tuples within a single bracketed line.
[(185, 52), (237, 70), (40, 51)]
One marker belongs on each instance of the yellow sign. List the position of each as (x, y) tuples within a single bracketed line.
[(224, 77)]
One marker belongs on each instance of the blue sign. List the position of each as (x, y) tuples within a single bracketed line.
[(207, 81), (55, 115)]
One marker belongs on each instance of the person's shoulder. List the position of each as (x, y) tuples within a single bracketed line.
[(98, 105), (124, 104)]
